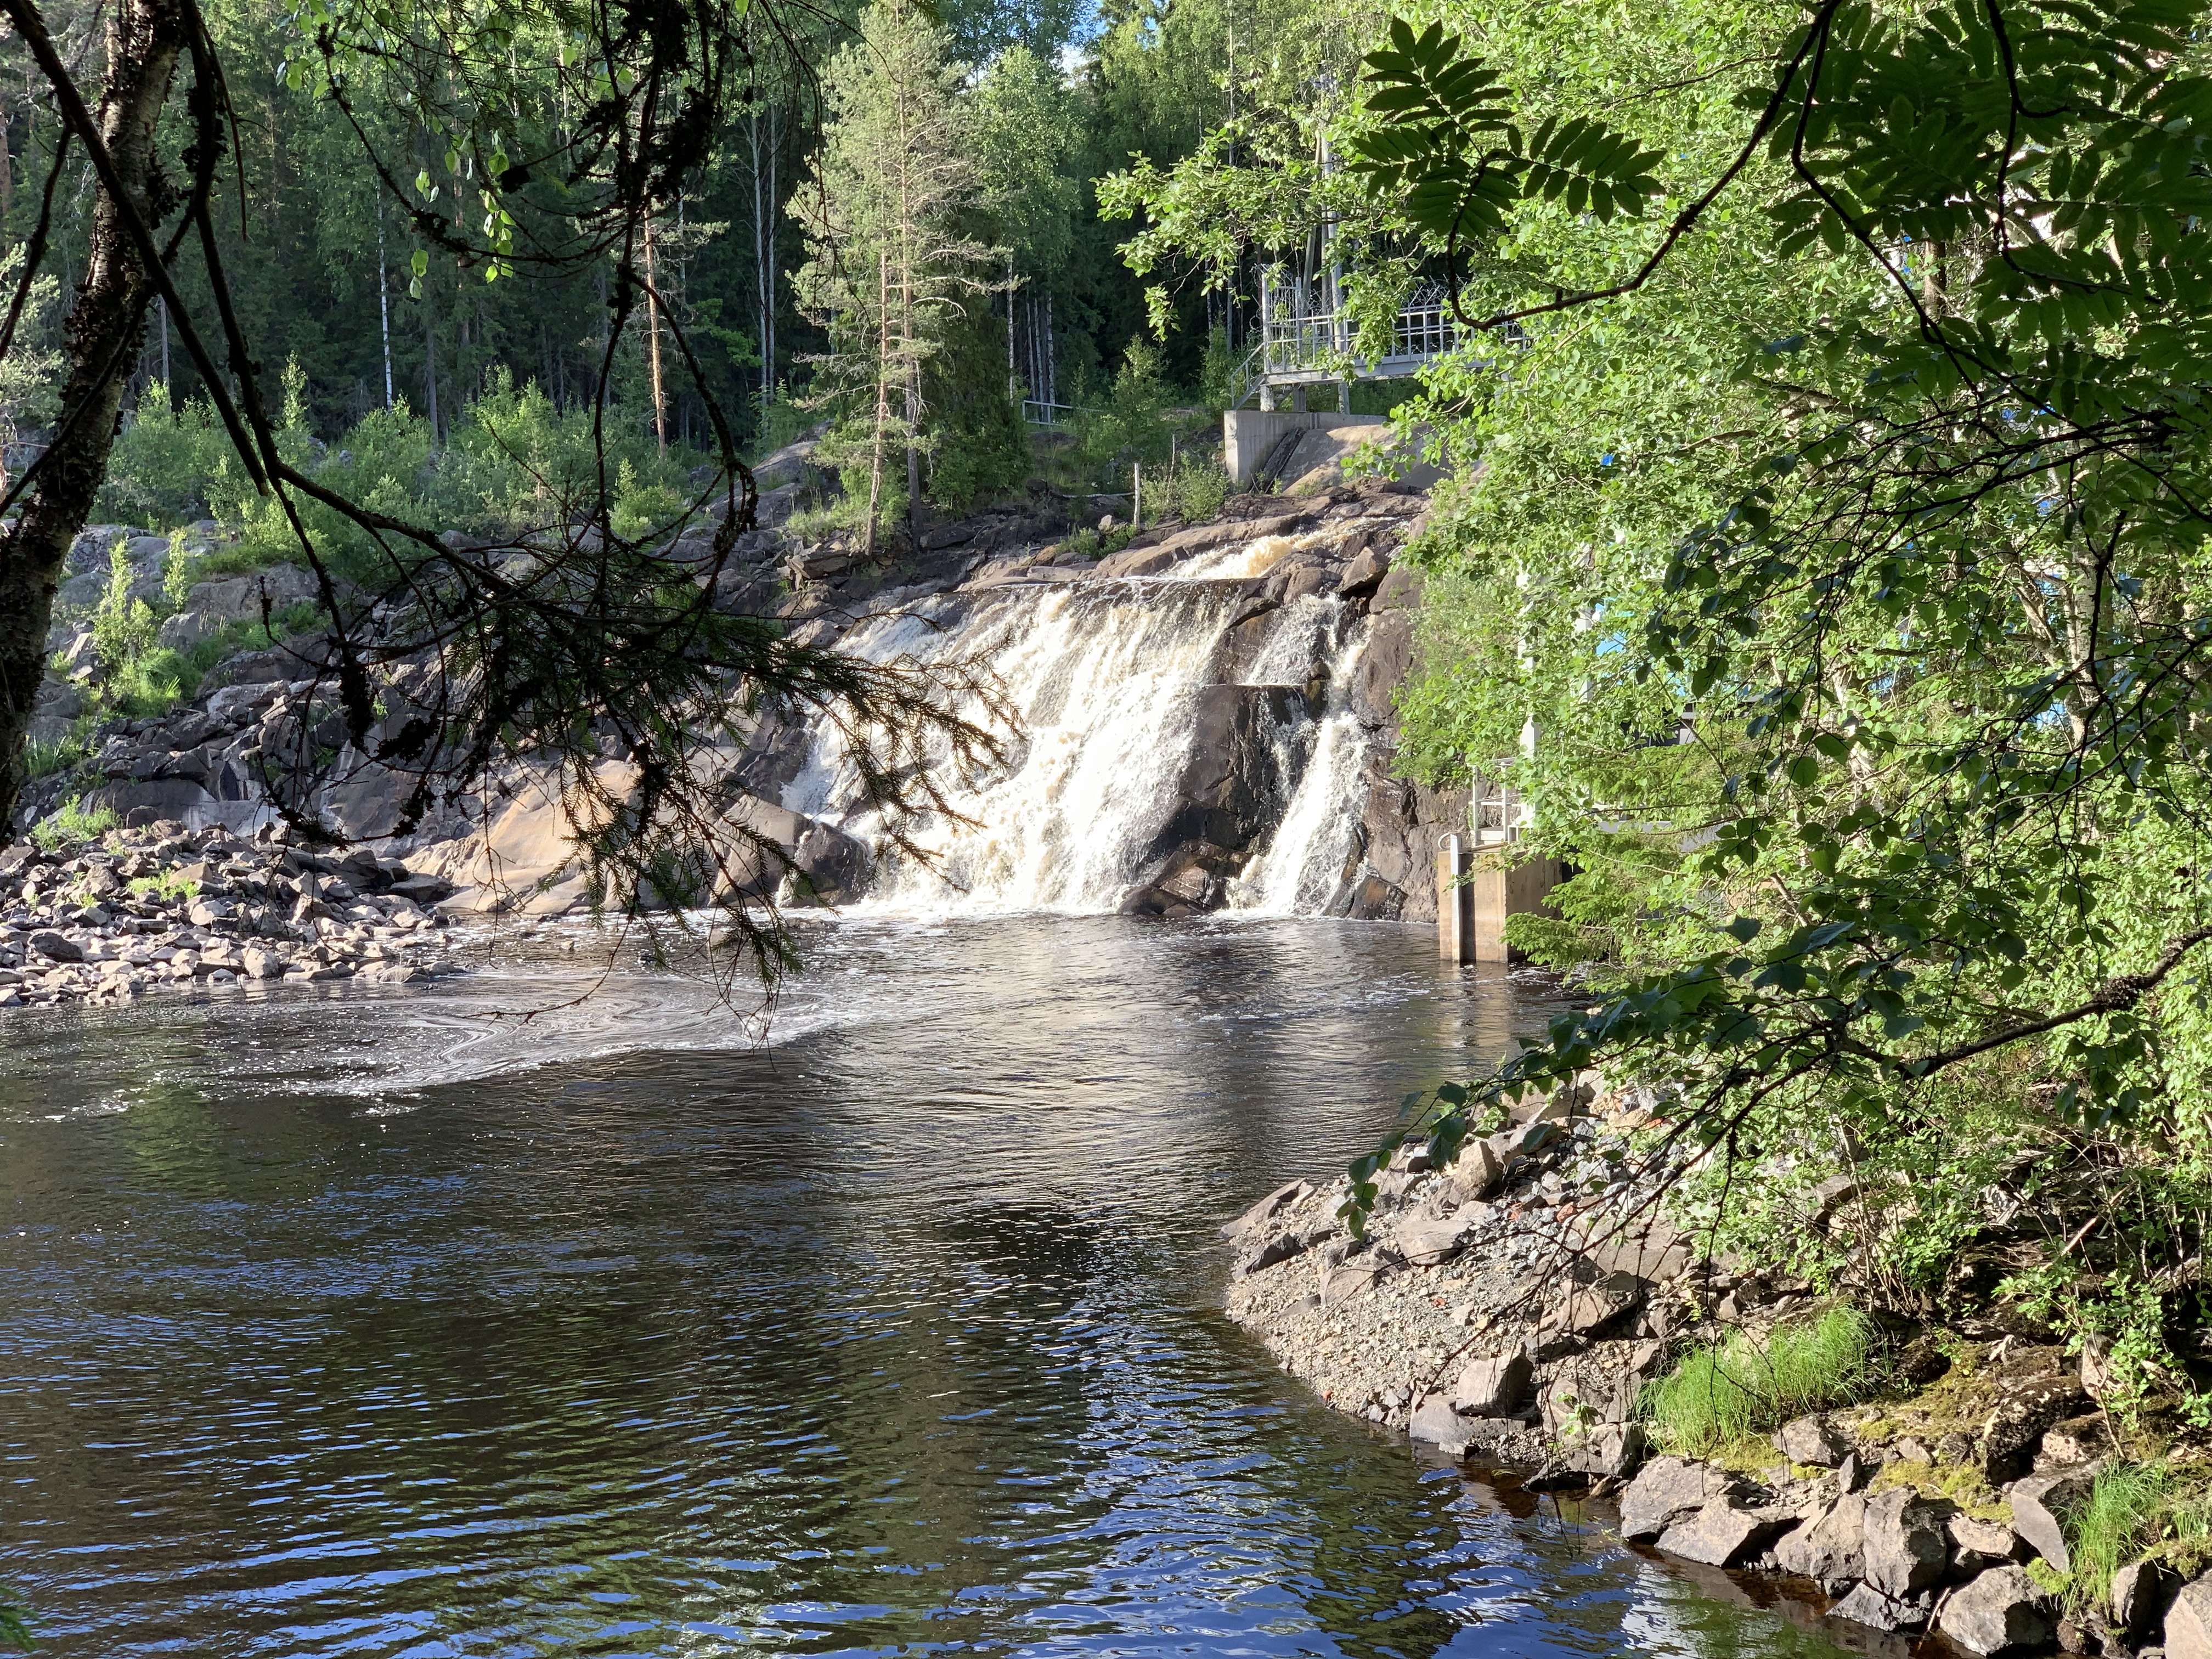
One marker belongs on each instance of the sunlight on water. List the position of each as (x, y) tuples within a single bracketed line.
[(387, 1326)]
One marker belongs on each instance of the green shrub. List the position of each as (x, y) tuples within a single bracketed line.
[(68, 823), (1729, 1391), (42, 760), (15, 1629), (169, 884), (122, 626), (162, 462), (1193, 491)]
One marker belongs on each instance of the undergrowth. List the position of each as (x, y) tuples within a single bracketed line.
[(69, 823), (1726, 1392), (2133, 1509)]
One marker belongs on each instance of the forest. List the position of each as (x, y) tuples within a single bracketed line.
[(1819, 568)]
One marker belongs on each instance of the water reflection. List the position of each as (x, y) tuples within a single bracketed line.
[(365, 1327)]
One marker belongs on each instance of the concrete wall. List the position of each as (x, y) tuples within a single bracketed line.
[(1247, 434)]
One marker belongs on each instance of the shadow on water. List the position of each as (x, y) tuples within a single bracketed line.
[(366, 1327)]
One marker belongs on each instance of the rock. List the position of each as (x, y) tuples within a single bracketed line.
[(2189, 1621), (1475, 1174), (1270, 1252), (2034, 1392), (1493, 1385), (1831, 1548), (2039, 1502), (1868, 1606), (1668, 1489), (1400, 591), (1607, 1449), (1254, 1219), (423, 889), (1719, 1533), (259, 964), (1437, 1424), (1906, 1546), (2141, 1593), (1430, 1244), (1590, 1311), (2002, 1612), (1977, 1545), (54, 946), (2077, 1440), (1811, 1440), (1364, 573)]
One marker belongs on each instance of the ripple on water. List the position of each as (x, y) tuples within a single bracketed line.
[(387, 1328)]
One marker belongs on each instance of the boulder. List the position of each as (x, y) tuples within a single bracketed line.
[(1610, 1449), (2078, 1440), (1429, 1244), (1475, 1174), (2039, 1502), (1811, 1440), (1868, 1606), (55, 948), (2141, 1593), (1255, 1219), (2002, 1612), (1906, 1546), (1831, 1548), (1435, 1422), (2189, 1621), (1668, 1489), (2034, 1392), (1493, 1385), (1590, 1309), (1719, 1533), (1365, 573), (1977, 1546)]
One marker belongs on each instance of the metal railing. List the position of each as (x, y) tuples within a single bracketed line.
[(1038, 413), (1299, 345)]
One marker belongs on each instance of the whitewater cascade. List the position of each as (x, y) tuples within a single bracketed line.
[(1116, 686)]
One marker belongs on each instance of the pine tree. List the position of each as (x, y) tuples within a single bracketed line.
[(890, 269)]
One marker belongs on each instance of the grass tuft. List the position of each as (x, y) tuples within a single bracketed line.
[(2135, 1510), (70, 824), (1726, 1392)]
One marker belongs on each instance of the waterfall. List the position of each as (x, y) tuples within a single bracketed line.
[(1104, 678)]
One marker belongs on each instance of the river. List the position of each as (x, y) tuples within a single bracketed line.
[(398, 1325)]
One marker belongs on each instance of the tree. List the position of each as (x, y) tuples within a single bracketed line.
[(1867, 660), (891, 264), (577, 647)]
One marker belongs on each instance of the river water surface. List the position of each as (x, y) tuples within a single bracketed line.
[(397, 1326)]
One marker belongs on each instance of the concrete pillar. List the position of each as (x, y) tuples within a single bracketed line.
[(1524, 890), (1456, 903)]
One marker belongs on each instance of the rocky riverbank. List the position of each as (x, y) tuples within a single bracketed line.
[(1511, 1309), (159, 909)]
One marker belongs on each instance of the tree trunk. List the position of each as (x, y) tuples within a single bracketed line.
[(430, 370), (383, 300), (105, 328), (653, 337), (882, 397)]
